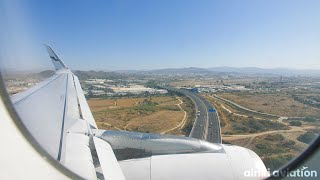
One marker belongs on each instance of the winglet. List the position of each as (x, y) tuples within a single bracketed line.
[(58, 64)]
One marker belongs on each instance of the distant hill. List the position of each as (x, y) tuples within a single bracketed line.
[(226, 70), (46, 73), (171, 71), (190, 70), (127, 71), (83, 75), (223, 70), (238, 70), (276, 71)]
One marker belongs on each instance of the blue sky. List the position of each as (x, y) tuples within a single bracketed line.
[(144, 34)]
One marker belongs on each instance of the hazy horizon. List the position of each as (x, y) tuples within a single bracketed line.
[(8, 70), (144, 35)]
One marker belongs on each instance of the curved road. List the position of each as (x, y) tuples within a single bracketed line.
[(206, 125)]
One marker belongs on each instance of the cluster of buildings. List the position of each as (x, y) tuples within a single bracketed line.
[(15, 86), (219, 88), (106, 87), (138, 89)]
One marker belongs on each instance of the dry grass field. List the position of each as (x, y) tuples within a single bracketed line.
[(152, 114), (274, 148), (277, 149), (100, 104), (279, 104), (155, 122), (233, 123)]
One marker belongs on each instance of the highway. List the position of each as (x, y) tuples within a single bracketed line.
[(213, 130), (206, 125)]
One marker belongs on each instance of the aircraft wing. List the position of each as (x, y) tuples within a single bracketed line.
[(57, 115)]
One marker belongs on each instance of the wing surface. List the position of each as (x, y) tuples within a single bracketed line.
[(57, 115)]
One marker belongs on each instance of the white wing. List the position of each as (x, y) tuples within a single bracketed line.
[(58, 117)]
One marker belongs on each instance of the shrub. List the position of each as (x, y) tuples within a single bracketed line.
[(261, 146), (310, 119), (228, 133), (274, 162), (275, 137), (306, 137), (295, 123), (288, 143)]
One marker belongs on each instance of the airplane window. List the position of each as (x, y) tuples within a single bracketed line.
[(168, 80)]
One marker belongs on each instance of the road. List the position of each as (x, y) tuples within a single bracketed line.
[(206, 125), (213, 130)]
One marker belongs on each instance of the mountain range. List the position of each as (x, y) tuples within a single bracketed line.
[(226, 69)]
